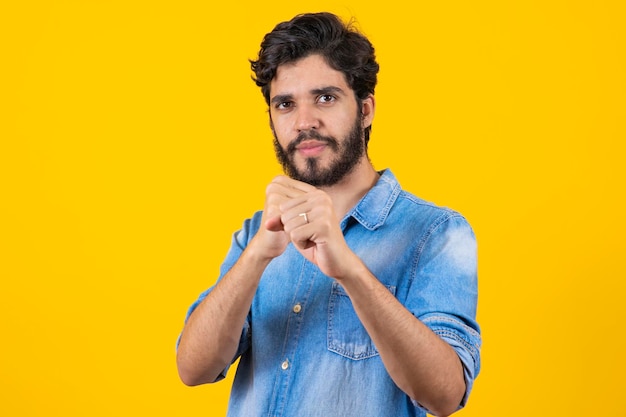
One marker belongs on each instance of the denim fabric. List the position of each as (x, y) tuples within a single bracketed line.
[(303, 350)]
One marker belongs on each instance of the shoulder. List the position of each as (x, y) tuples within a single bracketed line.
[(428, 214), (390, 206), (444, 234)]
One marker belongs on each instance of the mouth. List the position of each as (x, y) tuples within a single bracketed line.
[(311, 148)]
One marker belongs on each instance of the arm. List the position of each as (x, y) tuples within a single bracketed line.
[(420, 362), (211, 335)]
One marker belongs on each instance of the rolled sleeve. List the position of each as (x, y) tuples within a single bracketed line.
[(444, 291), (464, 340)]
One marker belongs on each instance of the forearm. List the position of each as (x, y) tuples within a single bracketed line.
[(211, 335), (420, 362)]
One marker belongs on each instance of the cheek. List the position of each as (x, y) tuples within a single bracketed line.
[(280, 124), (281, 137)]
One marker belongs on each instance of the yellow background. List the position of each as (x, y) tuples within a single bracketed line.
[(133, 143)]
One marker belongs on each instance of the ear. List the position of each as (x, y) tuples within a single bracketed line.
[(368, 106)]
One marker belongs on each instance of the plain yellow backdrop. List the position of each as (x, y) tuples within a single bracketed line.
[(133, 143)]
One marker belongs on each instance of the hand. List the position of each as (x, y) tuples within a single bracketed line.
[(271, 241), (318, 237)]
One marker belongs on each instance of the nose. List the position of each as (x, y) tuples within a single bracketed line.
[(306, 118)]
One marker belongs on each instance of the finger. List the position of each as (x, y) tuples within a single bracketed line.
[(283, 190), (276, 195), (303, 244), (300, 204), (305, 236), (306, 202), (298, 217), (295, 184)]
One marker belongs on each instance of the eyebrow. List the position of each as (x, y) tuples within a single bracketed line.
[(327, 90), (281, 98)]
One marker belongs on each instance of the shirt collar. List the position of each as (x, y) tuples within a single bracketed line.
[(372, 210)]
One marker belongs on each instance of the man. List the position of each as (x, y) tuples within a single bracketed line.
[(345, 296)]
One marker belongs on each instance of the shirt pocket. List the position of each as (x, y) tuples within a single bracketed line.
[(346, 334)]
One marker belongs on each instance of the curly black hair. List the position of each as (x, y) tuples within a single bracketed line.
[(343, 47)]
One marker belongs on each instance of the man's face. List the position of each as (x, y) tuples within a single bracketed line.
[(317, 122)]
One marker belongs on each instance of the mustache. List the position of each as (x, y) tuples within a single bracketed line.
[(312, 134)]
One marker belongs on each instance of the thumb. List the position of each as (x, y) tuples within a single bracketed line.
[(274, 224)]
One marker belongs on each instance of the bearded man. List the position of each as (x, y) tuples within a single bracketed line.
[(345, 295)]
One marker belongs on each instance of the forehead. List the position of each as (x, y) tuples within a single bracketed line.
[(307, 74)]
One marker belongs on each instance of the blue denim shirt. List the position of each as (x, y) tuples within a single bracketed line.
[(303, 350)]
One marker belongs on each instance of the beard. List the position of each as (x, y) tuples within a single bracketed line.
[(348, 153)]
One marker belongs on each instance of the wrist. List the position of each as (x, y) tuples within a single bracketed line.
[(258, 253), (354, 270)]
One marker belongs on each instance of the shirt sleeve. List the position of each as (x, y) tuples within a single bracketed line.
[(239, 242), (443, 294)]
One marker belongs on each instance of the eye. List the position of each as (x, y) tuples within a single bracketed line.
[(284, 105), (326, 98)]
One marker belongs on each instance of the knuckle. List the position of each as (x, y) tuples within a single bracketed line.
[(271, 187)]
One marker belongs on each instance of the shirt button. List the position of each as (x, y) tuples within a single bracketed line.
[(297, 308), (284, 365)]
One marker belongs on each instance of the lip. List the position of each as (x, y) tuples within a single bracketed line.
[(311, 147)]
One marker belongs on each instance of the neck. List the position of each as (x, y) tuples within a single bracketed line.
[(347, 192)]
